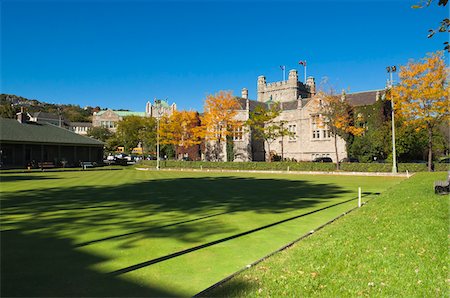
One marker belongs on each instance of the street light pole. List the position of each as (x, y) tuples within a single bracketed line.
[(158, 116), (391, 70)]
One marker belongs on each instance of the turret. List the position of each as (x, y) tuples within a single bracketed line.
[(311, 84), (244, 93), (293, 76), (148, 108)]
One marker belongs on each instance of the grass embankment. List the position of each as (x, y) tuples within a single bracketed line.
[(147, 233), (394, 246), (295, 166)]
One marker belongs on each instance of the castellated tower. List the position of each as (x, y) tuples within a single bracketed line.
[(311, 85), (284, 91)]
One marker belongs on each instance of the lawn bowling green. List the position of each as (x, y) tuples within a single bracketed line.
[(149, 233)]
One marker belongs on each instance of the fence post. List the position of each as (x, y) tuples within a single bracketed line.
[(359, 197)]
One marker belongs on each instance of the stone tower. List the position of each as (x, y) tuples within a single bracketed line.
[(284, 91)]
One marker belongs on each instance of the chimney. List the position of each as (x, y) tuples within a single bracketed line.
[(21, 117), (244, 93)]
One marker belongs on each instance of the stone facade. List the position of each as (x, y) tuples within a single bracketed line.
[(299, 105)]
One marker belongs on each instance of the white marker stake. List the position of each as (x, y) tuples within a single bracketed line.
[(359, 197)]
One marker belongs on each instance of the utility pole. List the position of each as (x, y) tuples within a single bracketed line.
[(391, 70)]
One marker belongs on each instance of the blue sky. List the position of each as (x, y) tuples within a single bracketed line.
[(119, 54)]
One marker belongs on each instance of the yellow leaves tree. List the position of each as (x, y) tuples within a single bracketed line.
[(180, 130), (218, 121), (421, 97), (338, 117)]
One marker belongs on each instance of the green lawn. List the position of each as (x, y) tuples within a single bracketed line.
[(146, 233), (396, 246)]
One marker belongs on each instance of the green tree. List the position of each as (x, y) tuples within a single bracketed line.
[(263, 124), (338, 117), (7, 111), (99, 133), (131, 131)]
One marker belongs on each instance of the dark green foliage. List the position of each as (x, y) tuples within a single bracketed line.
[(99, 133), (297, 166), (230, 148), (7, 111)]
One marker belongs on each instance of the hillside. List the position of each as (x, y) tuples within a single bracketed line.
[(10, 104)]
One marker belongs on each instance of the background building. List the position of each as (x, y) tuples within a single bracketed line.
[(24, 142)]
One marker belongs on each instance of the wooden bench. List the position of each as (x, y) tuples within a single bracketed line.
[(87, 164), (46, 165), (442, 187)]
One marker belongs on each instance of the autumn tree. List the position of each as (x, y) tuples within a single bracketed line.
[(338, 118), (218, 121), (421, 97), (180, 130), (263, 124)]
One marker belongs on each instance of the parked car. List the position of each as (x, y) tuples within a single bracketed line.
[(349, 159), (417, 161), (445, 160), (322, 159)]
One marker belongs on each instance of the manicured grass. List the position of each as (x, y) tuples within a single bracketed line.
[(146, 233), (395, 246)]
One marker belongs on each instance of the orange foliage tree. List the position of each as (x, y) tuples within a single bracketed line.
[(218, 121), (338, 118), (421, 97), (180, 130)]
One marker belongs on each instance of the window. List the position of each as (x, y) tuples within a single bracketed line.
[(108, 124), (238, 133), (292, 128), (319, 127)]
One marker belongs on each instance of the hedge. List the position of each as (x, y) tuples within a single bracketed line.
[(294, 166)]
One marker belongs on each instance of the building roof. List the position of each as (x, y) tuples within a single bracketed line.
[(80, 124), (123, 113), (46, 116), (251, 103), (363, 98), (31, 132)]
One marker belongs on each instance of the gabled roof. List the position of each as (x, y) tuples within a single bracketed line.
[(42, 133), (363, 98), (45, 116)]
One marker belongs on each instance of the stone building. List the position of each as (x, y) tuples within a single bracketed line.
[(109, 118), (299, 105)]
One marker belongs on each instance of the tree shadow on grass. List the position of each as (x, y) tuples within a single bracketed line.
[(185, 209), (36, 266), (11, 178)]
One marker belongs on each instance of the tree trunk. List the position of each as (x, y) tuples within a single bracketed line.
[(430, 149), (268, 149), (336, 151)]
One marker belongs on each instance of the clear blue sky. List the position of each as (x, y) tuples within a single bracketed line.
[(120, 54)]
